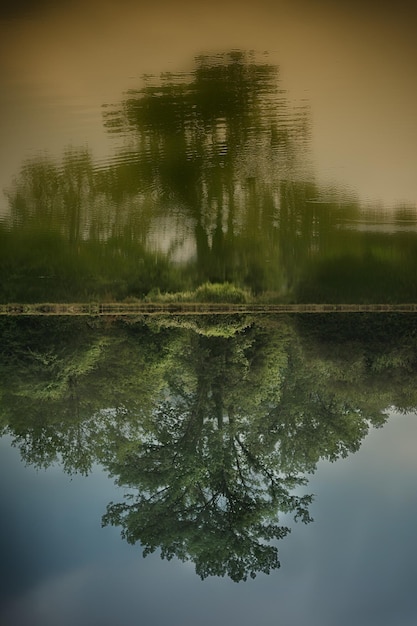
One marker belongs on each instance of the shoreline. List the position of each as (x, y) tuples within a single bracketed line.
[(194, 308)]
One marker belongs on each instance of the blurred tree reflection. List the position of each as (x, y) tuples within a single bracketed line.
[(211, 181), (200, 175), (215, 146)]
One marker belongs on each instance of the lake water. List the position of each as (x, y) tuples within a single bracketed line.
[(152, 150), (243, 156)]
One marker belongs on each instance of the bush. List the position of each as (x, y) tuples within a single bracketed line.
[(221, 292)]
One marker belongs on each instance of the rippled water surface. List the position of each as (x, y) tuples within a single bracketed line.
[(232, 154), (153, 150)]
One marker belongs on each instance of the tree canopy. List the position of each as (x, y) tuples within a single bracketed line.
[(211, 425)]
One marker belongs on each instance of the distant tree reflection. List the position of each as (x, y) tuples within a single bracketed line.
[(217, 145), (211, 182), (202, 172)]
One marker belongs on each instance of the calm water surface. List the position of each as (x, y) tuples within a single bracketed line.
[(235, 152)]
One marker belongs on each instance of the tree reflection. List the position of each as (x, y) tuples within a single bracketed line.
[(212, 426), (213, 183), (205, 159), (216, 146)]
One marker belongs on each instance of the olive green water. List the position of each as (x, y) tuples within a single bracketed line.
[(210, 193)]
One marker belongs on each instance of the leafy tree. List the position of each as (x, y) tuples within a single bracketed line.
[(246, 418), (212, 425), (69, 385), (207, 490)]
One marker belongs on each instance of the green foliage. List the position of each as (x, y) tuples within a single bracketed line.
[(224, 292), (212, 432), (208, 325)]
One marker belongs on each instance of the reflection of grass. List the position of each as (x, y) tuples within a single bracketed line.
[(208, 325)]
